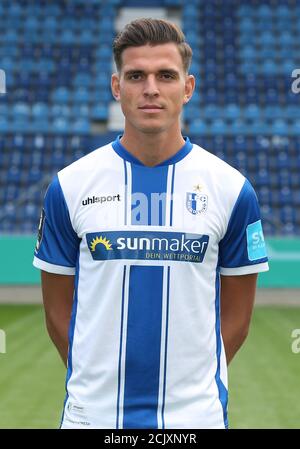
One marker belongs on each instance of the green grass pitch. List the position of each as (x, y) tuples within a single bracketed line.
[(263, 378)]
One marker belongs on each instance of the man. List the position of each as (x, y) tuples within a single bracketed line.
[(141, 239)]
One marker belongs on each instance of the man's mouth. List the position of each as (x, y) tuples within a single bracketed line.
[(150, 108)]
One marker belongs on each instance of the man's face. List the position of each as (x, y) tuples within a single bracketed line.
[(152, 87)]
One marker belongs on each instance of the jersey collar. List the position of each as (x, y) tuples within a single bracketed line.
[(124, 154)]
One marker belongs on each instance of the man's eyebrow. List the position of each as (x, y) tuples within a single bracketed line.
[(131, 72), (171, 71), (138, 71)]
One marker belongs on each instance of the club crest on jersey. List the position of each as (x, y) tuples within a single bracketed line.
[(196, 203)]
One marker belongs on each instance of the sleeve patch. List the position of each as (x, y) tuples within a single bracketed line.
[(255, 241), (41, 230)]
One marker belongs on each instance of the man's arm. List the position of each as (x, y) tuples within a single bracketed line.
[(58, 293), (237, 300)]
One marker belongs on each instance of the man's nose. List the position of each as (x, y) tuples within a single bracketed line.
[(151, 88)]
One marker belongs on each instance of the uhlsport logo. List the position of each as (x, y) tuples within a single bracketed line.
[(101, 199), (146, 245)]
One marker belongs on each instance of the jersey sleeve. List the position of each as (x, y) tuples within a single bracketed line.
[(57, 244), (243, 249)]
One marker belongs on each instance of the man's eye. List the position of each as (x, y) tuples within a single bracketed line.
[(167, 76), (135, 76)]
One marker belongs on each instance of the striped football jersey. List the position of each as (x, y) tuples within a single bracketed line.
[(147, 246)]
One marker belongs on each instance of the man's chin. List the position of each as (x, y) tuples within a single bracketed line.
[(152, 129)]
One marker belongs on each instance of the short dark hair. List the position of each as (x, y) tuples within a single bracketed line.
[(153, 32)]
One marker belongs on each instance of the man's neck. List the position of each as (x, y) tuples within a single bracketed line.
[(152, 149)]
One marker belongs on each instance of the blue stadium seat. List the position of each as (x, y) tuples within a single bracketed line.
[(4, 110), (44, 79), (50, 23), (240, 160), (41, 123), (265, 198), (81, 126), (67, 36), (81, 95), (288, 66), (212, 111), (218, 126), (99, 112), (101, 96), (272, 112), (189, 113), (285, 195), (262, 178), (58, 158), (11, 36), (280, 127), (60, 110), (269, 228), (34, 175), (230, 80), (198, 127), (31, 23), (61, 95), (102, 79), (8, 64), (31, 213), (245, 10), (9, 211), (11, 193), (286, 38), (296, 198), (294, 129), (258, 126), (284, 178), (248, 52), (269, 67), (83, 80), (283, 160), (61, 126), (103, 52), (252, 111), (264, 12), (13, 175), (81, 111), (288, 229), (20, 124), (269, 54), (239, 126), (86, 37), (20, 110), (40, 110), (232, 111)]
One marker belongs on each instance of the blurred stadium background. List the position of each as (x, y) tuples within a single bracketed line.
[(57, 107)]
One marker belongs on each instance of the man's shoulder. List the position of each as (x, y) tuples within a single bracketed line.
[(221, 179), (214, 164)]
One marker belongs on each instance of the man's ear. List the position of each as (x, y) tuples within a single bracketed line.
[(115, 86), (189, 88)]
